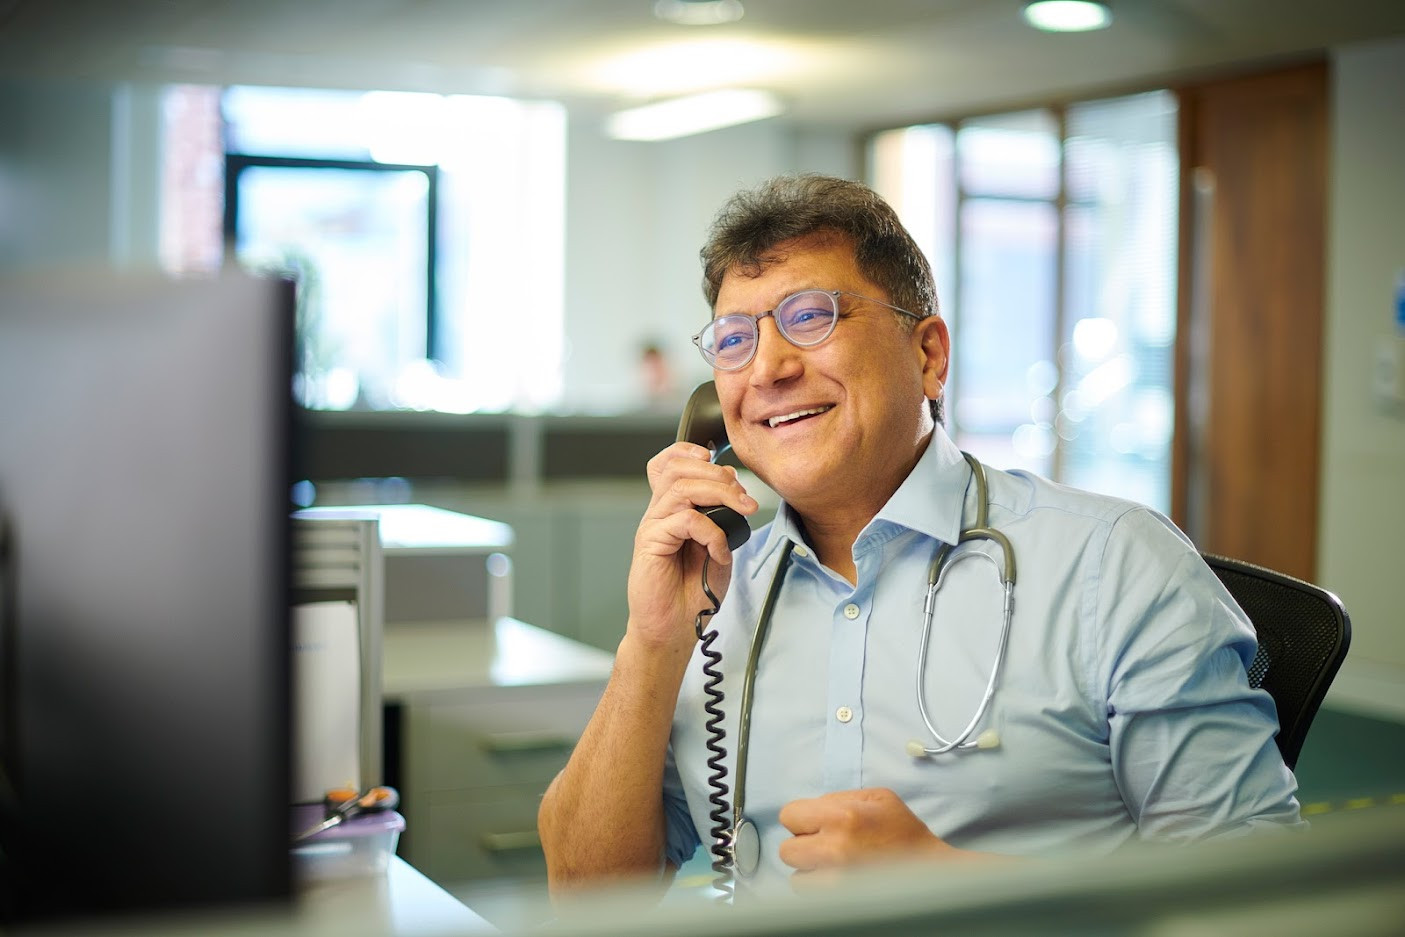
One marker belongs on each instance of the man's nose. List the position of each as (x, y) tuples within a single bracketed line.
[(776, 358)]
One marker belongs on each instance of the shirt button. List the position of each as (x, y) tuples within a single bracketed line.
[(851, 611), (844, 714), (801, 552)]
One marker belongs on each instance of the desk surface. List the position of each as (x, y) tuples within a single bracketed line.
[(403, 903), (448, 657)]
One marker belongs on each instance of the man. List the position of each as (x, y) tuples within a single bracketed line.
[(1121, 710)]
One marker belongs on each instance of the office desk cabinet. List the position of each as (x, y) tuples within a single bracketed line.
[(489, 714)]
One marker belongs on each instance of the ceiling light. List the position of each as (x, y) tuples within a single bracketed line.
[(1068, 16), (688, 66), (696, 113), (699, 12)]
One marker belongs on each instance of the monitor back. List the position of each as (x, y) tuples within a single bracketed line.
[(145, 429)]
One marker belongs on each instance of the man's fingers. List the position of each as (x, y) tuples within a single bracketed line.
[(803, 815), (849, 827), (807, 852), (684, 484)]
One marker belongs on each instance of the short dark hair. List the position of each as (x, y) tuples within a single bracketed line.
[(754, 222)]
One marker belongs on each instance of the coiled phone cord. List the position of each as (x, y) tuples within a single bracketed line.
[(717, 772)]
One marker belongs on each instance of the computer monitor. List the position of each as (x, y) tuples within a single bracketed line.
[(145, 468)]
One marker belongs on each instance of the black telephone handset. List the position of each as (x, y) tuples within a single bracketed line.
[(702, 424)]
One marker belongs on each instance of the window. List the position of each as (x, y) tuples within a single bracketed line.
[(426, 232), (359, 238), (1052, 235)]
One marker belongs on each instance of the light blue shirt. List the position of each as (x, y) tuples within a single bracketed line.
[(1123, 708)]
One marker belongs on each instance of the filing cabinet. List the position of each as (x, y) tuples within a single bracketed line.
[(490, 713)]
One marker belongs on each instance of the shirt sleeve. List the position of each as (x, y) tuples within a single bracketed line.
[(681, 836), (1192, 745)]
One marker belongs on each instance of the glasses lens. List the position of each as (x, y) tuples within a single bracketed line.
[(807, 318), (729, 341)]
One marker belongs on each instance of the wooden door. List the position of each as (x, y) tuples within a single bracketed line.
[(1249, 359)]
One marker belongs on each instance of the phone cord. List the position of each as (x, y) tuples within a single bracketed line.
[(717, 772)]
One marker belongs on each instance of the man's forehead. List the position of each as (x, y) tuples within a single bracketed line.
[(798, 251), (821, 241)]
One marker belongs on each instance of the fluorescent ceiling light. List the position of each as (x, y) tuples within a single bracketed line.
[(699, 12), (695, 64), (1067, 16), (696, 113)]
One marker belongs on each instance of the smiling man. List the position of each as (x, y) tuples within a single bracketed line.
[(902, 706)]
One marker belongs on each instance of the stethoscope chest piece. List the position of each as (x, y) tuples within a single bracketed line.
[(746, 848)]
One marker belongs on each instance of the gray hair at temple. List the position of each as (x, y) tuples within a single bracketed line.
[(754, 222)]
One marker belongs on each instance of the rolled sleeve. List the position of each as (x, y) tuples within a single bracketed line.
[(681, 836)]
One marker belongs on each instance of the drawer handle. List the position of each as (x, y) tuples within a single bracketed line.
[(506, 742), (511, 842)]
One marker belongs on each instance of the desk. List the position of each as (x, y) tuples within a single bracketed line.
[(399, 903), (402, 903), (490, 712), (438, 564)]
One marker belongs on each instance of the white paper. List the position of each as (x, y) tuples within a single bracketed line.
[(326, 699)]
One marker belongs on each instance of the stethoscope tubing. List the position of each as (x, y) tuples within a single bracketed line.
[(763, 625), (963, 739)]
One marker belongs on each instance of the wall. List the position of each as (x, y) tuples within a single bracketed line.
[(78, 173), (1362, 506), (54, 174)]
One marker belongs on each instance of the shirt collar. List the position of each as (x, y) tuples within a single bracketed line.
[(931, 500), (784, 527)]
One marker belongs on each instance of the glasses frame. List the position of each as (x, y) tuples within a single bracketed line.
[(755, 324)]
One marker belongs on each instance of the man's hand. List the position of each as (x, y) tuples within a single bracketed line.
[(848, 828), (664, 589)]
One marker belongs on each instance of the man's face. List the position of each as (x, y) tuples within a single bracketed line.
[(866, 384)]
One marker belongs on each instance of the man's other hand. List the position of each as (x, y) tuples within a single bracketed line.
[(843, 829)]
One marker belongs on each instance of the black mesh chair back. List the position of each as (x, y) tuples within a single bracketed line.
[(1304, 633)]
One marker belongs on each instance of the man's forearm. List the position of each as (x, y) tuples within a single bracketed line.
[(602, 817)]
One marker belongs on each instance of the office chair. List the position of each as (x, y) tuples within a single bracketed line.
[(1304, 633)]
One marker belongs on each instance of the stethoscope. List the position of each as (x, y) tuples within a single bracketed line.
[(745, 838)]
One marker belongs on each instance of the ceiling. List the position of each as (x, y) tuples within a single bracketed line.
[(836, 63)]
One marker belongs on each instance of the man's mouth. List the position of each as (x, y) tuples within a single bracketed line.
[(775, 421)]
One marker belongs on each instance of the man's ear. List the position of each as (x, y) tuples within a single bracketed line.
[(932, 343)]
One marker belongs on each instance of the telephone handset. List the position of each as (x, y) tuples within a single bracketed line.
[(702, 424)]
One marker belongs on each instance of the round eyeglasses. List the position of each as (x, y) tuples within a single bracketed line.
[(805, 319)]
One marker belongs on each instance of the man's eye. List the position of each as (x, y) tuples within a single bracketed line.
[(731, 335), (809, 318)]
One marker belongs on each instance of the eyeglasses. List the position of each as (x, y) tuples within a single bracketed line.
[(805, 319)]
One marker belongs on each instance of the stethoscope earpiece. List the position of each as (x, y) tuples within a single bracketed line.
[(986, 740)]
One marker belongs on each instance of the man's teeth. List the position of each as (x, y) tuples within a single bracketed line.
[(778, 420)]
